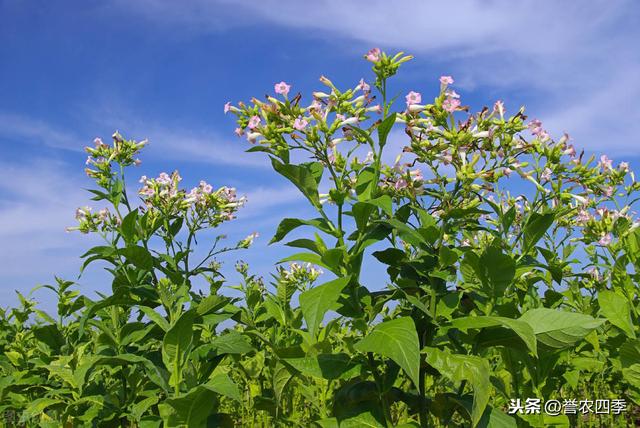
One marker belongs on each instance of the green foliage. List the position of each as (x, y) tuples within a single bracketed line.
[(488, 298)]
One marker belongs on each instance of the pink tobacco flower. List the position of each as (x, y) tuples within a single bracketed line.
[(446, 80), (300, 123), (373, 55), (499, 107), (594, 273), (624, 166), (605, 240), (315, 105), (451, 104), (583, 216), (282, 88), (401, 183), (452, 94), (413, 98), (227, 107), (570, 150), (546, 174), (239, 132), (254, 121), (507, 171), (605, 163), (364, 86)]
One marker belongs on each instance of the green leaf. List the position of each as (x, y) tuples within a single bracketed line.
[(383, 202), (536, 227), (315, 302), (288, 224), (177, 343), (356, 404), (384, 128), (155, 317), (151, 370), (232, 342), (308, 258), (365, 183), (304, 177), (398, 340), (323, 366), (36, 407), (496, 270), (361, 212), (557, 328), (191, 409), (128, 226), (407, 233), (138, 256), (49, 335), (222, 384), (630, 361), (615, 307), (469, 368), (280, 380), (521, 328)]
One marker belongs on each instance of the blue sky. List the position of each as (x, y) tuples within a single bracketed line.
[(162, 70)]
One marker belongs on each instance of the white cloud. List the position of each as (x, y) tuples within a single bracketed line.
[(27, 128)]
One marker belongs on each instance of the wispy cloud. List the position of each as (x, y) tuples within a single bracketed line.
[(36, 130)]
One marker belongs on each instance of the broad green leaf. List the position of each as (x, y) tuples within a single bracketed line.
[(191, 409), (36, 407), (357, 405), (470, 368), (306, 257), (395, 339), (304, 177), (323, 366), (385, 128), (615, 307), (222, 384), (138, 256), (407, 233), (521, 328), (128, 226), (316, 301), (630, 361), (558, 328), (281, 378), (232, 342), (151, 370), (177, 343), (49, 335), (155, 317), (365, 183), (289, 224), (536, 227), (211, 303), (384, 202), (496, 270)]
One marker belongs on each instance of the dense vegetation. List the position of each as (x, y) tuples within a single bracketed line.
[(512, 273)]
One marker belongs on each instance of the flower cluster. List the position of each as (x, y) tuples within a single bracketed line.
[(201, 204), (89, 221), (101, 157), (298, 274)]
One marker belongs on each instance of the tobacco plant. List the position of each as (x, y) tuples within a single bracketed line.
[(511, 265)]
